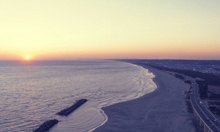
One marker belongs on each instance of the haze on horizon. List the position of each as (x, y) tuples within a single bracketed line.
[(145, 29)]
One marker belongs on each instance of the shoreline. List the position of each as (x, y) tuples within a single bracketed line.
[(140, 84), (103, 112), (136, 115)]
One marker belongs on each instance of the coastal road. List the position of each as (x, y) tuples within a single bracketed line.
[(205, 114)]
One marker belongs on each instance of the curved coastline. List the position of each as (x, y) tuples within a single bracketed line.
[(101, 106), (137, 82), (161, 110), (102, 111)]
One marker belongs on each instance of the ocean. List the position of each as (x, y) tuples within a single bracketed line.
[(32, 92)]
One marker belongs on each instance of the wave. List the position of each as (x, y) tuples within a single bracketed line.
[(145, 81)]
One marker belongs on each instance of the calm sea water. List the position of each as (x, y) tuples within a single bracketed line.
[(33, 92)]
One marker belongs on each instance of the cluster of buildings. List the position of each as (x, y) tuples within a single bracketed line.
[(210, 69)]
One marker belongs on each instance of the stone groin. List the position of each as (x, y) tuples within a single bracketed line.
[(46, 125), (50, 123), (67, 111)]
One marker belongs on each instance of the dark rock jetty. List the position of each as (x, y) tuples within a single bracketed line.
[(46, 125), (70, 109)]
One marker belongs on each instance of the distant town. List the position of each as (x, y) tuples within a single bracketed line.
[(203, 66), (203, 76)]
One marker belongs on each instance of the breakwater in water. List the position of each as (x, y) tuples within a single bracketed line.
[(33, 93), (70, 109), (50, 123), (46, 125)]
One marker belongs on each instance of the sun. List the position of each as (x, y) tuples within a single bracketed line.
[(27, 57)]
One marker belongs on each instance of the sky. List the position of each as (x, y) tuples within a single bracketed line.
[(109, 29)]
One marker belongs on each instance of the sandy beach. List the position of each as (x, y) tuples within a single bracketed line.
[(163, 110)]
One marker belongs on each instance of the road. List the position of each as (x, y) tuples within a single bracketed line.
[(208, 118)]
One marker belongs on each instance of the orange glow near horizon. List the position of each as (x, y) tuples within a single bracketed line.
[(143, 29), (27, 57), (141, 54), (145, 54)]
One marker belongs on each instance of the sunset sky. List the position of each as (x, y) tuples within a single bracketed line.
[(145, 29)]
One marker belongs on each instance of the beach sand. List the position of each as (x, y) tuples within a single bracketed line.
[(163, 110)]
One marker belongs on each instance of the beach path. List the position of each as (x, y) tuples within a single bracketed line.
[(163, 110)]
